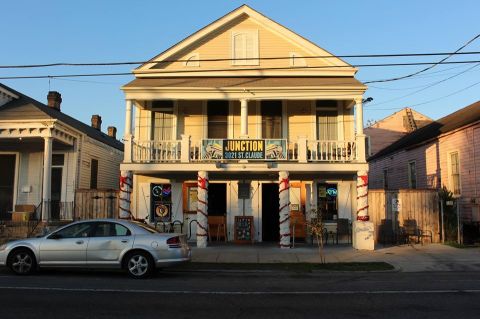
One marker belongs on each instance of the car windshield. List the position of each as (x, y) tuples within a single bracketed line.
[(147, 227)]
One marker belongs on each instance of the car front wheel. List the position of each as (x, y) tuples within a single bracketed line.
[(22, 262), (139, 265)]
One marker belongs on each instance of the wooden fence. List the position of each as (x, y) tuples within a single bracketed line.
[(392, 207), (96, 203)]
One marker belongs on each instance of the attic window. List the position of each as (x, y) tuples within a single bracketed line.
[(245, 47), (192, 60), (297, 59)]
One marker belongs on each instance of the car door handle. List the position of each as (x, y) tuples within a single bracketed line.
[(79, 242), (124, 240)]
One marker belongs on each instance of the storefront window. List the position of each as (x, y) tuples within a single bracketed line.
[(327, 200)]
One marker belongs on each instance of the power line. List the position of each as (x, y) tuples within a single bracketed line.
[(231, 60), (428, 68), (234, 70), (427, 87)]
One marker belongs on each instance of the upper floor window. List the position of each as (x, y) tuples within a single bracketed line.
[(217, 116), (412, 174), (327, 120), (454, 172), (271, 119), (162, 120), (245, 47)]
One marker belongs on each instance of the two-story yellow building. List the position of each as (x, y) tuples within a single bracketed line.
[(245, 118)]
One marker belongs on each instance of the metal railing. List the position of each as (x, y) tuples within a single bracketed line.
[(316, 151), (156, 151), (331, 151)]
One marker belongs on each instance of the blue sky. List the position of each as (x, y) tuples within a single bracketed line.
[(109, 31)]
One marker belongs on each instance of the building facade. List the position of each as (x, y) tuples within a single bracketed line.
[(244, 118), (442, 153), (46, 155)]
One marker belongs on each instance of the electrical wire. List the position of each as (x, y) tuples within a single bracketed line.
[(233, 70), (428, 68), (231, 60)]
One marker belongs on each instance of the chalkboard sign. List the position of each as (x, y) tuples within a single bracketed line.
[(243, 229)]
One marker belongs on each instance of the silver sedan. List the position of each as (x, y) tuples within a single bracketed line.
[(101, 243)]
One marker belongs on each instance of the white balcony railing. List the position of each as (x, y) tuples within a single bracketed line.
[(301, 151), (331, 151), (156, 151)]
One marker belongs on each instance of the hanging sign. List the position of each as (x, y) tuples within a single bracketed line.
[(234, 149), (161, 202)]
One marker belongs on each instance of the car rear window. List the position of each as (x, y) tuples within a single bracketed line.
[(147, 228)]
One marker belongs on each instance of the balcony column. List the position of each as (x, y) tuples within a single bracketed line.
[(284, 211), (360, 137), (128, 132), (244, 118), (185, 149), (47, 178), (202, 209)]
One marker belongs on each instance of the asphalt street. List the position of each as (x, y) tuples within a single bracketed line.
[(240, 294)]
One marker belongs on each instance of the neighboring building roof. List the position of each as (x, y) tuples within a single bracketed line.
[(395, 126), (458, 119), (39, 110), (245, 82)]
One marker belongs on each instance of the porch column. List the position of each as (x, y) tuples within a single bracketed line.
[(363, 229), (360, 137), (284, 211), (243, 118), (47, 178), (128, 132), (202, 209)]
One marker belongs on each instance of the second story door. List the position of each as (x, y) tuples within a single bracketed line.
[(271, 119), (162, 121), (327, 121), (217, 114)]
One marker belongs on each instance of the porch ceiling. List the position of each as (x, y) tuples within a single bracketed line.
[(33, 144)]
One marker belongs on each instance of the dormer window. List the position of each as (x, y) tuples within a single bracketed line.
[(192, 60), (245, 47)]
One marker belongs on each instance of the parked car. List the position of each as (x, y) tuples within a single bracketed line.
[(102, 243)]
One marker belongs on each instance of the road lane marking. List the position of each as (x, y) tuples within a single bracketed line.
[(201, 292)]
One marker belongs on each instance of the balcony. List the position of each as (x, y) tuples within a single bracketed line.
[(236, 150)]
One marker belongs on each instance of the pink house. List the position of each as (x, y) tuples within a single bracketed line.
[(445, 152)]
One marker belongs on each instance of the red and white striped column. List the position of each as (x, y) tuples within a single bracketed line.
[(362, 196), (202, 209), (284, 211), (126, 186)]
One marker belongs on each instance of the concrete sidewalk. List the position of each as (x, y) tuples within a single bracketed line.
[(407, 258)]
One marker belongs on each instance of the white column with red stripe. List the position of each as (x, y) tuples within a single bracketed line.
[(362, 196), (202, 209), (363, 228), (124, 210), (284, 211)]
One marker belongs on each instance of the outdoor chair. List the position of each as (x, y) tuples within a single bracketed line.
[(344, 229), (412, 231)]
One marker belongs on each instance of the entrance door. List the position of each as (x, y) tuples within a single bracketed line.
[(7, 183), (217, 199), (56, 194), (270, 214)]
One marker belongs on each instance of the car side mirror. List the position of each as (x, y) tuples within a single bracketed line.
[(55, 236)]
